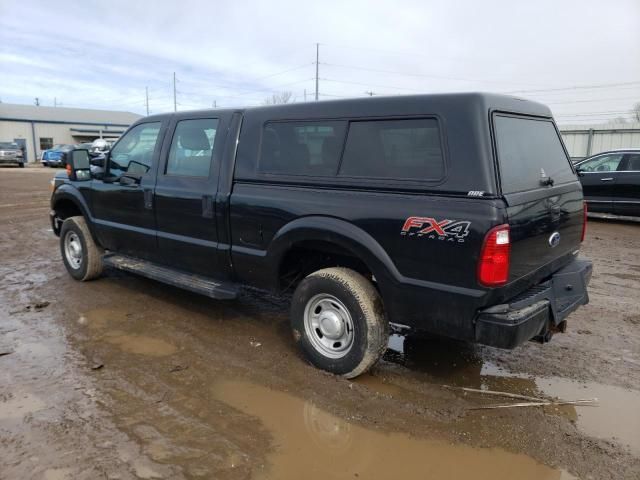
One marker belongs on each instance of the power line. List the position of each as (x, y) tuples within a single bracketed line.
[(419, 75), (612, 112), (371, 85), (579, 87), (282, 72), (593, 100)]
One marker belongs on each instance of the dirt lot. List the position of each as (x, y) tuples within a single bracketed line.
[(126, 378)]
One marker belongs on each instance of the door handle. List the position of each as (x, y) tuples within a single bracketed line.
[(207, 206), (608, 179), (148, 198)]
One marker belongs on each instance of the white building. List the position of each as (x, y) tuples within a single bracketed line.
[(39, 128)]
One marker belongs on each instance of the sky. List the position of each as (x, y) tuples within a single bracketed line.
[(582, 58)]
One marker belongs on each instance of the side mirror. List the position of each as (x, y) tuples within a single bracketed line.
[(78, 165)]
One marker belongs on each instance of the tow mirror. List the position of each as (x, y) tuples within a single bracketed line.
[(78, 165)]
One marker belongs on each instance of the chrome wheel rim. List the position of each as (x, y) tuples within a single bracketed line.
[(73, 250), (328, 326)]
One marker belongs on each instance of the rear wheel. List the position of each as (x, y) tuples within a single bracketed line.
[(21, 165), (80, 254), (338, 321)]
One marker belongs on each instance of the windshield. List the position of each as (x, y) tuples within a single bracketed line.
[(9, 145), (530, 154)]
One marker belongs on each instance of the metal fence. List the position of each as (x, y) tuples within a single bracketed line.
[(584, 141)]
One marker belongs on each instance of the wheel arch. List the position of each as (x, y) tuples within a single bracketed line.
[(340, 240), (68, 202)]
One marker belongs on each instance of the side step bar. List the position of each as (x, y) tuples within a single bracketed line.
[(177, 278)]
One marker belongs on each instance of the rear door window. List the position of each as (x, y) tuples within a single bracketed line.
[(394, 149), (633, 163), (529, 151), (192, 147)]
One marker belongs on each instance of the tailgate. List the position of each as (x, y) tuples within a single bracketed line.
[(543, 195), (543, 230)]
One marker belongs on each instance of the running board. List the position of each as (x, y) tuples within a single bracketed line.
[(177, 278)]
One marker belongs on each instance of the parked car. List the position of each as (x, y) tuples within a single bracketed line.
[(611, 182), (460, 215), (99, 146), (44, 155), (11, 154), (57, 156)]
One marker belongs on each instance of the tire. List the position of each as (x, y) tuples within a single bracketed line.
[(21, 165), (80, 254), (325, 307)]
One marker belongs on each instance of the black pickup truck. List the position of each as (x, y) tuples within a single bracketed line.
[(457, 214)]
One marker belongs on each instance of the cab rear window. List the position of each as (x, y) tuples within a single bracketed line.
[(530, 154)]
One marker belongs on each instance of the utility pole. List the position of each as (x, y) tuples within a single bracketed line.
[(146, 96), (317, 62), (215, 104), (305, 94), (55, 102), (175, 103), (37, 102)]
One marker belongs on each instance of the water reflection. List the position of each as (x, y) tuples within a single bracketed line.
[(311, 443), (617, 416)]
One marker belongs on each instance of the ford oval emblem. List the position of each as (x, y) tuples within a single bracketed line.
[(554, 239)]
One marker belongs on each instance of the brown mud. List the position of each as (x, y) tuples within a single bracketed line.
[(124, 378)]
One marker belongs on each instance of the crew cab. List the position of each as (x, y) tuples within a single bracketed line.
[(455, 214)]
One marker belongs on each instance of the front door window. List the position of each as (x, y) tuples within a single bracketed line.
[(133, 154)]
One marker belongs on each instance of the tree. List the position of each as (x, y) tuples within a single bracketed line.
[(279, 98), (617, 121), (635, 112)]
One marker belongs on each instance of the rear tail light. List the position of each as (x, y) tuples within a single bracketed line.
[(584, 221), (493, 265)]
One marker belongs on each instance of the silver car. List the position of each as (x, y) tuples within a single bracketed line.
[(10, 153)]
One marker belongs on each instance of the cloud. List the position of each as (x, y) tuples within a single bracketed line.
[(104, 54)]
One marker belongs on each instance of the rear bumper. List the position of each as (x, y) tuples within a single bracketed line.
[(537, 311)]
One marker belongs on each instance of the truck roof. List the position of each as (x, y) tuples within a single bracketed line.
[(395, 105)]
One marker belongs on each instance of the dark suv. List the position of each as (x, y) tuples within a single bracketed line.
[(611, 182), (458, 214)]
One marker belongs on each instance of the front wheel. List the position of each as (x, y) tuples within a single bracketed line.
[(338, 321), (80, 254)]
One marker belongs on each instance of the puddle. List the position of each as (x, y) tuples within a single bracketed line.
[(617, 416), (109, 319), (20, 406), (58, 474), (99, 318), (311, 443), (142, 345), (380, 385)]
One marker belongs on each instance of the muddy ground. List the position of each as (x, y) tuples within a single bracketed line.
[(124, 378)]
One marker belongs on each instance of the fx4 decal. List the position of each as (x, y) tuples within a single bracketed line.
[(448, 230)]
